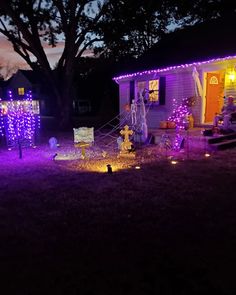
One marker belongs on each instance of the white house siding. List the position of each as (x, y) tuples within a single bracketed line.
[(179, 85), (230, 88), (124, 94), (230, 85), (155, 115)]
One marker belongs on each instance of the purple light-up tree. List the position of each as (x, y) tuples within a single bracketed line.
[(1, 119), (20, 122), (180, 116)]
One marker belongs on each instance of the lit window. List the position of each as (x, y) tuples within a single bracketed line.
[(153, 86), (21, 91)]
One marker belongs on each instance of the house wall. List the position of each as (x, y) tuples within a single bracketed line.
[(228, 67), (124, 94), (18, 81), (180, 85)]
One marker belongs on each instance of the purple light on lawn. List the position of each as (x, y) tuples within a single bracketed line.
[(182, 66)]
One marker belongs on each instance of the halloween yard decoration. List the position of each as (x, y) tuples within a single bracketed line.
[(126, 145), (53, 143), (83, 138), (20, 120)]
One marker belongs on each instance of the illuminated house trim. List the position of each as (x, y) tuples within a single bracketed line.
[(180, 83), (171, 68)]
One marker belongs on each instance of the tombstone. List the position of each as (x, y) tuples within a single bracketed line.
[(83, 138), (126, 147), (53, 143), (126, 144)]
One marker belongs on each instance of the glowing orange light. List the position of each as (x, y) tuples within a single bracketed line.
[(232, 76)]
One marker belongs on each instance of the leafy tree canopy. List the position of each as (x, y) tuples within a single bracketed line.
[(116, 27)]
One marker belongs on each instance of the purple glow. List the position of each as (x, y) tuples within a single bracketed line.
[(19, 120), (1, 119), (180, 115), (182, 66)]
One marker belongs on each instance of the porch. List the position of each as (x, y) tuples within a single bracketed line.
[(201, 139)]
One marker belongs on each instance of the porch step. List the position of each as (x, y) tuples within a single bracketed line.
[(223, 142), (222, 138)]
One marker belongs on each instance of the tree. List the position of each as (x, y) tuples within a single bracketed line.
[(135, 26), (191, 12), (27, 24), (126, 28), (79, 23)]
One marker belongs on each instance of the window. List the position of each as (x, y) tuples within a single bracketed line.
[(150, 89), (153, 87), (21, 91)]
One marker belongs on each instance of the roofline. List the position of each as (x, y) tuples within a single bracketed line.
[(182, 66)]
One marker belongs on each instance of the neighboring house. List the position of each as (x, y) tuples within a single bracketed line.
[(188, 63), (3, 86), (23, 81)]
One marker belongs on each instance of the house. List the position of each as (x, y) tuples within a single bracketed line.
[(24, 81), (198, 62), (3, 87), (27, 80)]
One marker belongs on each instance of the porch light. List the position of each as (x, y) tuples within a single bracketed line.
[(109, 169), (232, 76)]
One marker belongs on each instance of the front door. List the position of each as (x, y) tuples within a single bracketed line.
[(214, 95)]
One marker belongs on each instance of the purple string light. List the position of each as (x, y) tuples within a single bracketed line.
[(20, 123), (182, 66)]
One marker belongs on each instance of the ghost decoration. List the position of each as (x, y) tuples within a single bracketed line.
[(119, 142), (53, 143)]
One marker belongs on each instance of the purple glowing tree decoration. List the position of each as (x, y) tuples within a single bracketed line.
[(20, 122), (1, 119), (178, 142), (180, 115)]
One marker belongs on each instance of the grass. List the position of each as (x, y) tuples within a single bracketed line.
[(68, 228)]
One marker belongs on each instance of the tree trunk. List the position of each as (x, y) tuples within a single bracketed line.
[(65, 98)]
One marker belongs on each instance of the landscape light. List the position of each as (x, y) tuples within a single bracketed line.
[(174, 162), (207, 155), (54, 157), (109, 169), (137, 167)]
